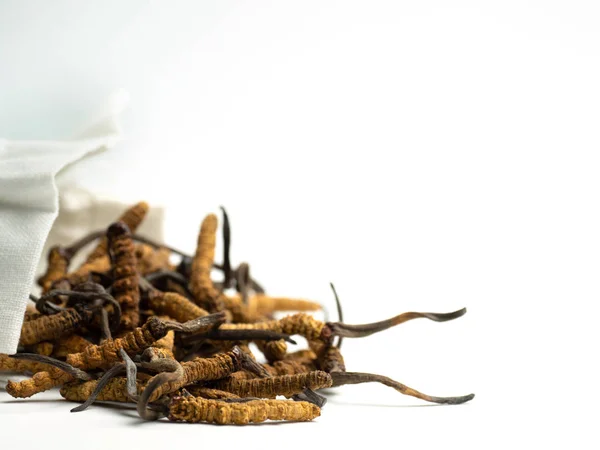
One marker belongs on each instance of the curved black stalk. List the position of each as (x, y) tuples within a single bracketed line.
[(198, 325), (227, 273), (131, 370), (68, 368), (171, 371), (339, 311), (342, 378), (308, 395), (42, 302), (102, 382), (242, 277), (354, 331), (175, 277), (44, 306), (104, 325)]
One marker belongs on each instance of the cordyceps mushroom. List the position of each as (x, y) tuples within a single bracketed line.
[(201, 285), (183, 342), (57, 374), (98, 259), (343, 378), (194, 410), (125, 275), (271, 387), (313, 330)]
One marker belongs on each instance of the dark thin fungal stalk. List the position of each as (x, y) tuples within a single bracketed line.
[(343, 378), (45, 307), (308, 395), (65, 367), (102, 382), (104, 323), (198, 325), (339, 311), (242, 277), (131, 370), (167, 275), (355, 331), (227, 272), (171, 371)]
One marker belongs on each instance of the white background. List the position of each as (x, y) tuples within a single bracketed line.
[(423, 155)]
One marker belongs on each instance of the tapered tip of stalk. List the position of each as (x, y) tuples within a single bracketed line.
[(204, 323), (353, 331), (452, 400), (308, 395), (443, 317)]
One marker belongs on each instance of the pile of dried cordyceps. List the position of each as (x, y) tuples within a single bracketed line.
[(129, 326)]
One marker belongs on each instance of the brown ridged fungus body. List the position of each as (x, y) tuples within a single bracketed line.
[(125, 275), (201, 285), (47, 328), (286, 385), (194, 410), (114, 391), (174, 305), (58, 265)]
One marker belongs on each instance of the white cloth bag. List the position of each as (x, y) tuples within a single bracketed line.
[(29, 207)]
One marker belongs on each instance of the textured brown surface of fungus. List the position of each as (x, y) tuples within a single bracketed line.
[(286, 385), (47, 328), (125, 274), (143, 323), (201, 285), (194, 410)]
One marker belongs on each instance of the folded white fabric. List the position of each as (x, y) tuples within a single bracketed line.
[(29, 204)]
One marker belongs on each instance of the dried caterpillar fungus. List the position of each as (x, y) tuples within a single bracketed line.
[(194, 410), (144, 323), (98, 260), (286, 385), (201, 285), (125, 274)]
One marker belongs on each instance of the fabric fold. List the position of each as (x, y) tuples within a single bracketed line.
[(29, 205)]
